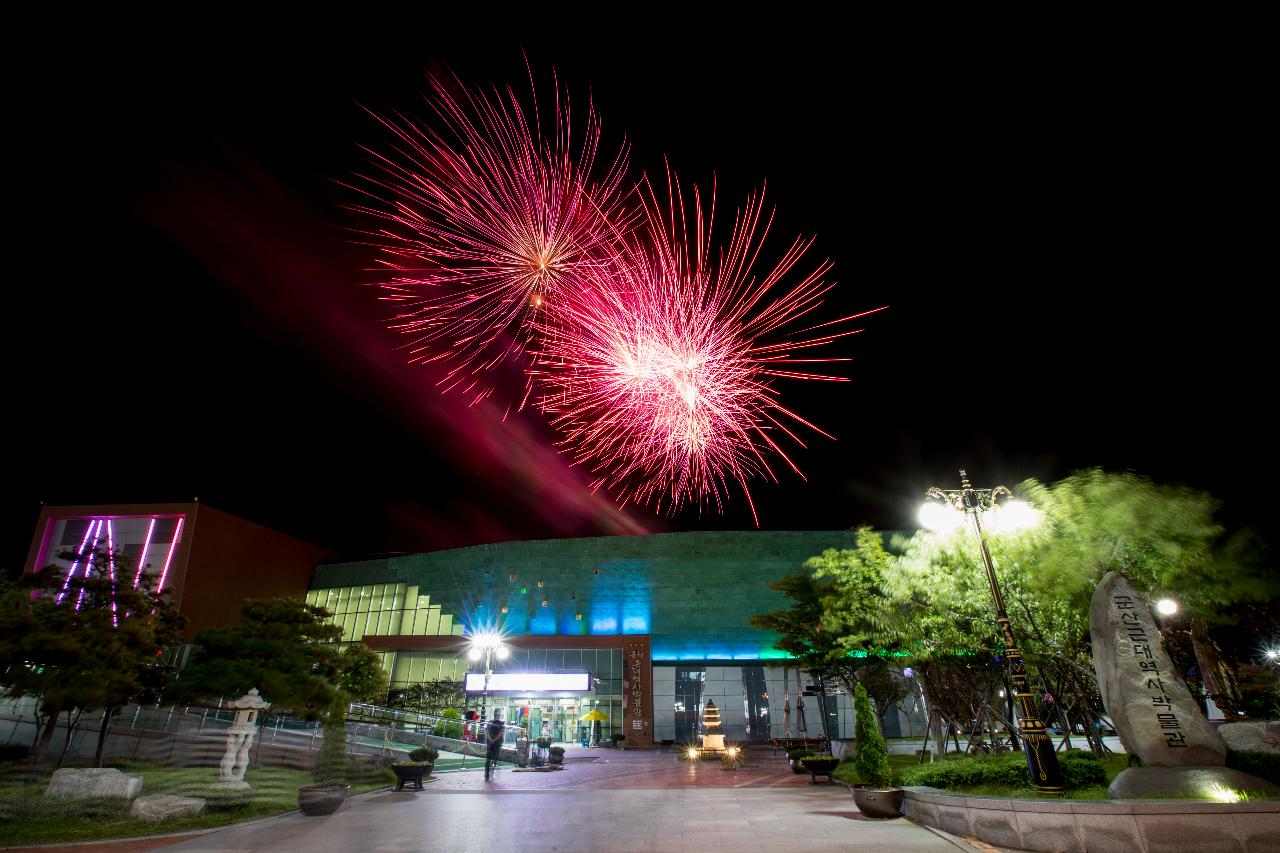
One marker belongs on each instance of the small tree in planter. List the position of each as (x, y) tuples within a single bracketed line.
[(556, 755), (878, 795), (331, 770)]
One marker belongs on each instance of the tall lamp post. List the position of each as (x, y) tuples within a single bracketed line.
[(1041, 758), (487, 645)]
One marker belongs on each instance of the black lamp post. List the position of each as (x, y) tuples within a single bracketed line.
[(1038, 745)]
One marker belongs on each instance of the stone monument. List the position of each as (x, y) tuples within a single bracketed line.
[(239, 738), (713, 740), (1149, 704)]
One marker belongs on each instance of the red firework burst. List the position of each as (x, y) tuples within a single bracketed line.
[(484, 223), (660, 373)]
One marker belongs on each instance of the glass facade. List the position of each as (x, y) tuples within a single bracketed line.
[(384, 609)]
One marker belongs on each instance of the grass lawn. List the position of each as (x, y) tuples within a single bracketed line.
[(28, 817)]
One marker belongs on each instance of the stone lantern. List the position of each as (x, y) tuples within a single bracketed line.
[(239, 738)]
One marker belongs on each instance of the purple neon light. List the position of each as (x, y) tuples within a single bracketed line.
[(142, 558), (79, 556), (111, 570), (97, 534), (168, 558)]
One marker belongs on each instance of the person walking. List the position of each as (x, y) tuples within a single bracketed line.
[(493, 744)]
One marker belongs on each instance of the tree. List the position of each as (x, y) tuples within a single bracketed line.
[(361, 675), (428, 697), (280, 646), (84, 643)]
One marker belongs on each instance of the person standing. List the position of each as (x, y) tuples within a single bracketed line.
[(493, 744)]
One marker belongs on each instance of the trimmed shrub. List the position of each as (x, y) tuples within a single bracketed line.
[(872, 758), (1080, 770), (1009, 770), (1264, 765), (331, 761), (424, 753)]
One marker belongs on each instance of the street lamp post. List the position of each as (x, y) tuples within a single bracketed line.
[(487, 645), (1041, 758)]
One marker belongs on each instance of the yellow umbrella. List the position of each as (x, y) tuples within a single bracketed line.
[(595, 716)]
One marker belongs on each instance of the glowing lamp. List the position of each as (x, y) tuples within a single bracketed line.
[(474, 654), (693, 752), (1013, 516), (502, 653), (1167, 606), (939, 518)]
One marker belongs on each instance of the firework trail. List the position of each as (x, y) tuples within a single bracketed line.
[(484, 224), (660, 373)]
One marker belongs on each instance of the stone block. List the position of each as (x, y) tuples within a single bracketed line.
[(996, 826), (155, 808), (922, 812), (954, 819), (1259, 833), (1139, 782), (1111, 833), (1134, 671), (79, 783), (1201, 833), (1252, 735), (1054, 830)]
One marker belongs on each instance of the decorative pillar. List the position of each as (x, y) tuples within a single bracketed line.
[(239, 738)]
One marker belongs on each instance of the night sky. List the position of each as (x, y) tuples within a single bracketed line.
[(1067, 236)]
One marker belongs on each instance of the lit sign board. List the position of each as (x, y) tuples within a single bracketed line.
[(529, 681)]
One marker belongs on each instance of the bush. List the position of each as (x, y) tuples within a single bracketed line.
[(1079, 770), (617, 737), (557, 750), (871, 760), (1265, 765), (798, 750), (14, 751), (424, 753), (450, 729)]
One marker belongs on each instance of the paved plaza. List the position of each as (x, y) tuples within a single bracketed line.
[(602, 802)]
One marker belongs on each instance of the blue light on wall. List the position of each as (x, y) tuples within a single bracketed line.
[(604, 625), (635, 625)]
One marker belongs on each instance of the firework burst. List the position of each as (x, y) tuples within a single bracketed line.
[(659, 374), (483, 224)]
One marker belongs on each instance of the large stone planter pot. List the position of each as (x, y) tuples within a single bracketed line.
[(411, 775), (321, 799), (820, 766), (878, 802)]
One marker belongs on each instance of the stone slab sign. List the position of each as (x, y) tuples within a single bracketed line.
[(1252, 735), (1151, 707), (1212, 782), (155, 808), (73, 783)]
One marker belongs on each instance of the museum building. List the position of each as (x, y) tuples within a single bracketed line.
[(657, 623), (643, 629)]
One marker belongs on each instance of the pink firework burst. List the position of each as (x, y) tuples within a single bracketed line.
[(484, 223), (660, 376)]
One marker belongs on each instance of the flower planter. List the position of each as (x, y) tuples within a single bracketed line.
[(411, 774), (878, 802), (821, 766), (796, 767), (321, 799)]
